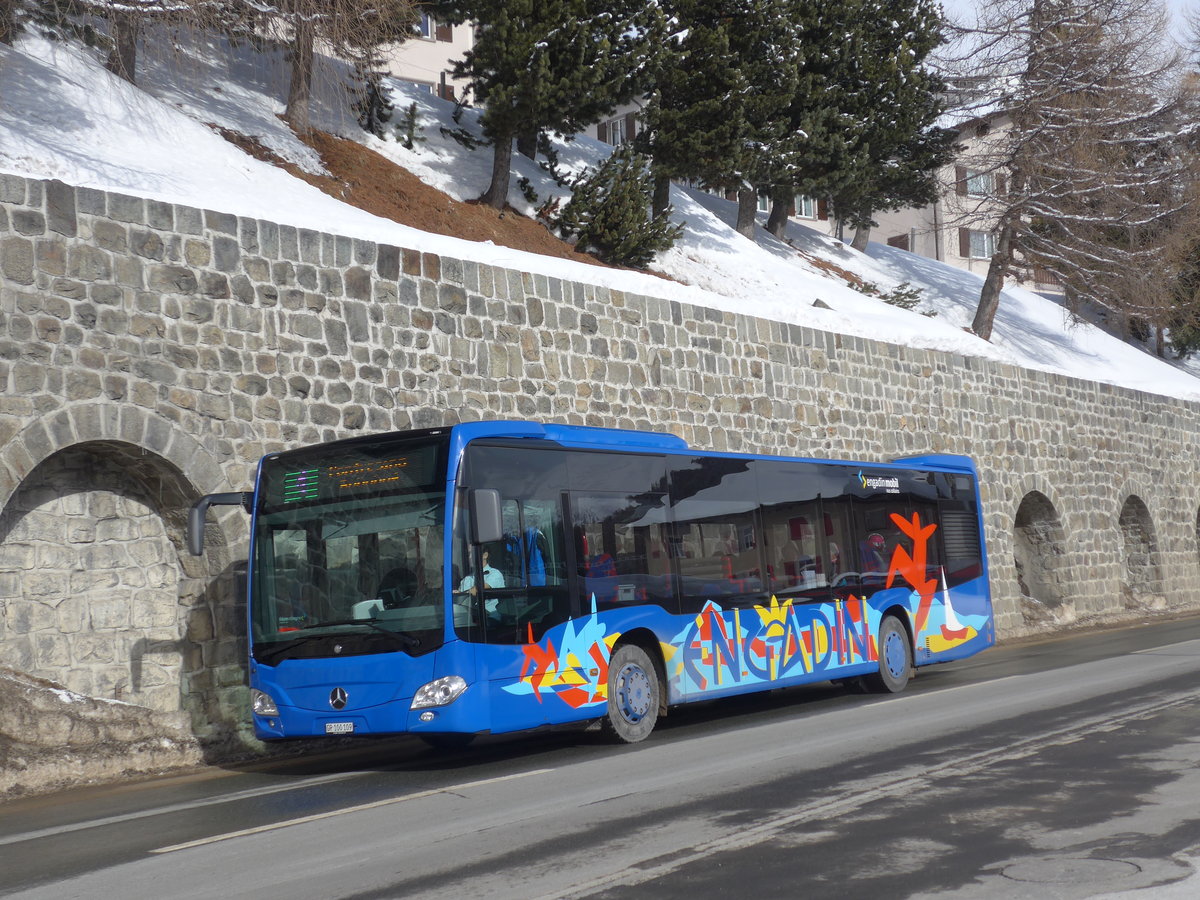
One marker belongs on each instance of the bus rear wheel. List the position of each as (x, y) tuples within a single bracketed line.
[(633, 695), (895, 658)]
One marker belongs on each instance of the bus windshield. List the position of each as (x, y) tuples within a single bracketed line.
[(348, 551)]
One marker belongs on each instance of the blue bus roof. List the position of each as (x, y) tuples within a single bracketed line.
[(589, 436)]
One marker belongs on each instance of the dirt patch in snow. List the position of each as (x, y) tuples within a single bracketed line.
[(373, 183)]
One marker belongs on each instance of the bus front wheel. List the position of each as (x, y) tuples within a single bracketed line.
[(895, 658), (633, 695)]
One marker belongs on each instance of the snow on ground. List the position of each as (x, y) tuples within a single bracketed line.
[(62, 116)]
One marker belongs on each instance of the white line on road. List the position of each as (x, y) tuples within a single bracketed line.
[(176, 807), (274, 826)]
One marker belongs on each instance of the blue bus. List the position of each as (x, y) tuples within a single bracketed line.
[(498, 576)]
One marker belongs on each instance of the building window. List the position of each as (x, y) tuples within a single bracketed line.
[(423, 86), (616, 131), (980, 184), (981, 244), (430, 29), (806, 207), (764, 203), (974, 183)]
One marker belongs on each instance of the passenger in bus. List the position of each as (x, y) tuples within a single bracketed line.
[(873, 551), (835, 560)]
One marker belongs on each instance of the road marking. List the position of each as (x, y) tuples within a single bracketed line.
[(275, 826), (176, 807)]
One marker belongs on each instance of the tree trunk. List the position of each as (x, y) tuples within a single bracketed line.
[(527, 142), (747, 209), (862, 237), (122, 59), (777, 220), (661, 200), (300, 87), (993, 284), (497, 193), (8, 21)]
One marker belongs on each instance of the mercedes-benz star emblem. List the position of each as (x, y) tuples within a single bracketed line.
[(338, 698)]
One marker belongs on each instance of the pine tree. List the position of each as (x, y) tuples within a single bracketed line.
[(692, 125), (824, 110), (722, 81), (547, 65), (608, 212), (892, 101)]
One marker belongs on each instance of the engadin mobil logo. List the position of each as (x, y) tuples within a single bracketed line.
[(887, 484)]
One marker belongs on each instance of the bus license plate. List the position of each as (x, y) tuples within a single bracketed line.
[(339, 727)]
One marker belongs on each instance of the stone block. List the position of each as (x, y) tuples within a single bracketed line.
[(60, 209), (127, 209), (221, 223), (12, 189), (16, 259)]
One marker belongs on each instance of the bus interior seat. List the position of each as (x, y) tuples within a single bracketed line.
[(397, 587)]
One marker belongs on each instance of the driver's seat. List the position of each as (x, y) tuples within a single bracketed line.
[(397, 588)]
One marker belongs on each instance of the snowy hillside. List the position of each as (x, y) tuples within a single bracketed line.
[(62, 116)]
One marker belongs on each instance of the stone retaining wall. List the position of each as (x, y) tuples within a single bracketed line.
[(150, 353)]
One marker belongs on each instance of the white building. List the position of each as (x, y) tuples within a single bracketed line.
[(427, 60)]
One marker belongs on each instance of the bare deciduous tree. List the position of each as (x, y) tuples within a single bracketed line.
[(8, 21), (349, 29), (1091, 96)]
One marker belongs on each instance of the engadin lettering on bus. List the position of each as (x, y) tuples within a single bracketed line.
[(887, 484)]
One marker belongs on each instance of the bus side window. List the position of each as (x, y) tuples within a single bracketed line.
[(793, 555), (715, 533), (619, 549), (839, 559)]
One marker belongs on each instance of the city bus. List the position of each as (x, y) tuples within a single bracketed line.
[(492, 577)]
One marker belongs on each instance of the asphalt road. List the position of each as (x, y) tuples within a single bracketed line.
[(1060, 769)]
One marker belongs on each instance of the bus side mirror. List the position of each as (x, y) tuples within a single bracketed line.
[(486, 524), (195, 524)]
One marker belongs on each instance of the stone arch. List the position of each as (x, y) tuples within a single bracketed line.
[(1141, 573), (98, 591), (1039, 543)]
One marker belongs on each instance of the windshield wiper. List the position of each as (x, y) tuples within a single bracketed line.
[(406, 639), (270, 653)]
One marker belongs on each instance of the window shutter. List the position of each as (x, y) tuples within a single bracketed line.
[(964, 243), (630, 126), (1001, 185), (960, 181), (444, 32), (822, 209), (602, 131)]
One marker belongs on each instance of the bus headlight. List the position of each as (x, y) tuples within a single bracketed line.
[(439, 692), (262, 704)]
